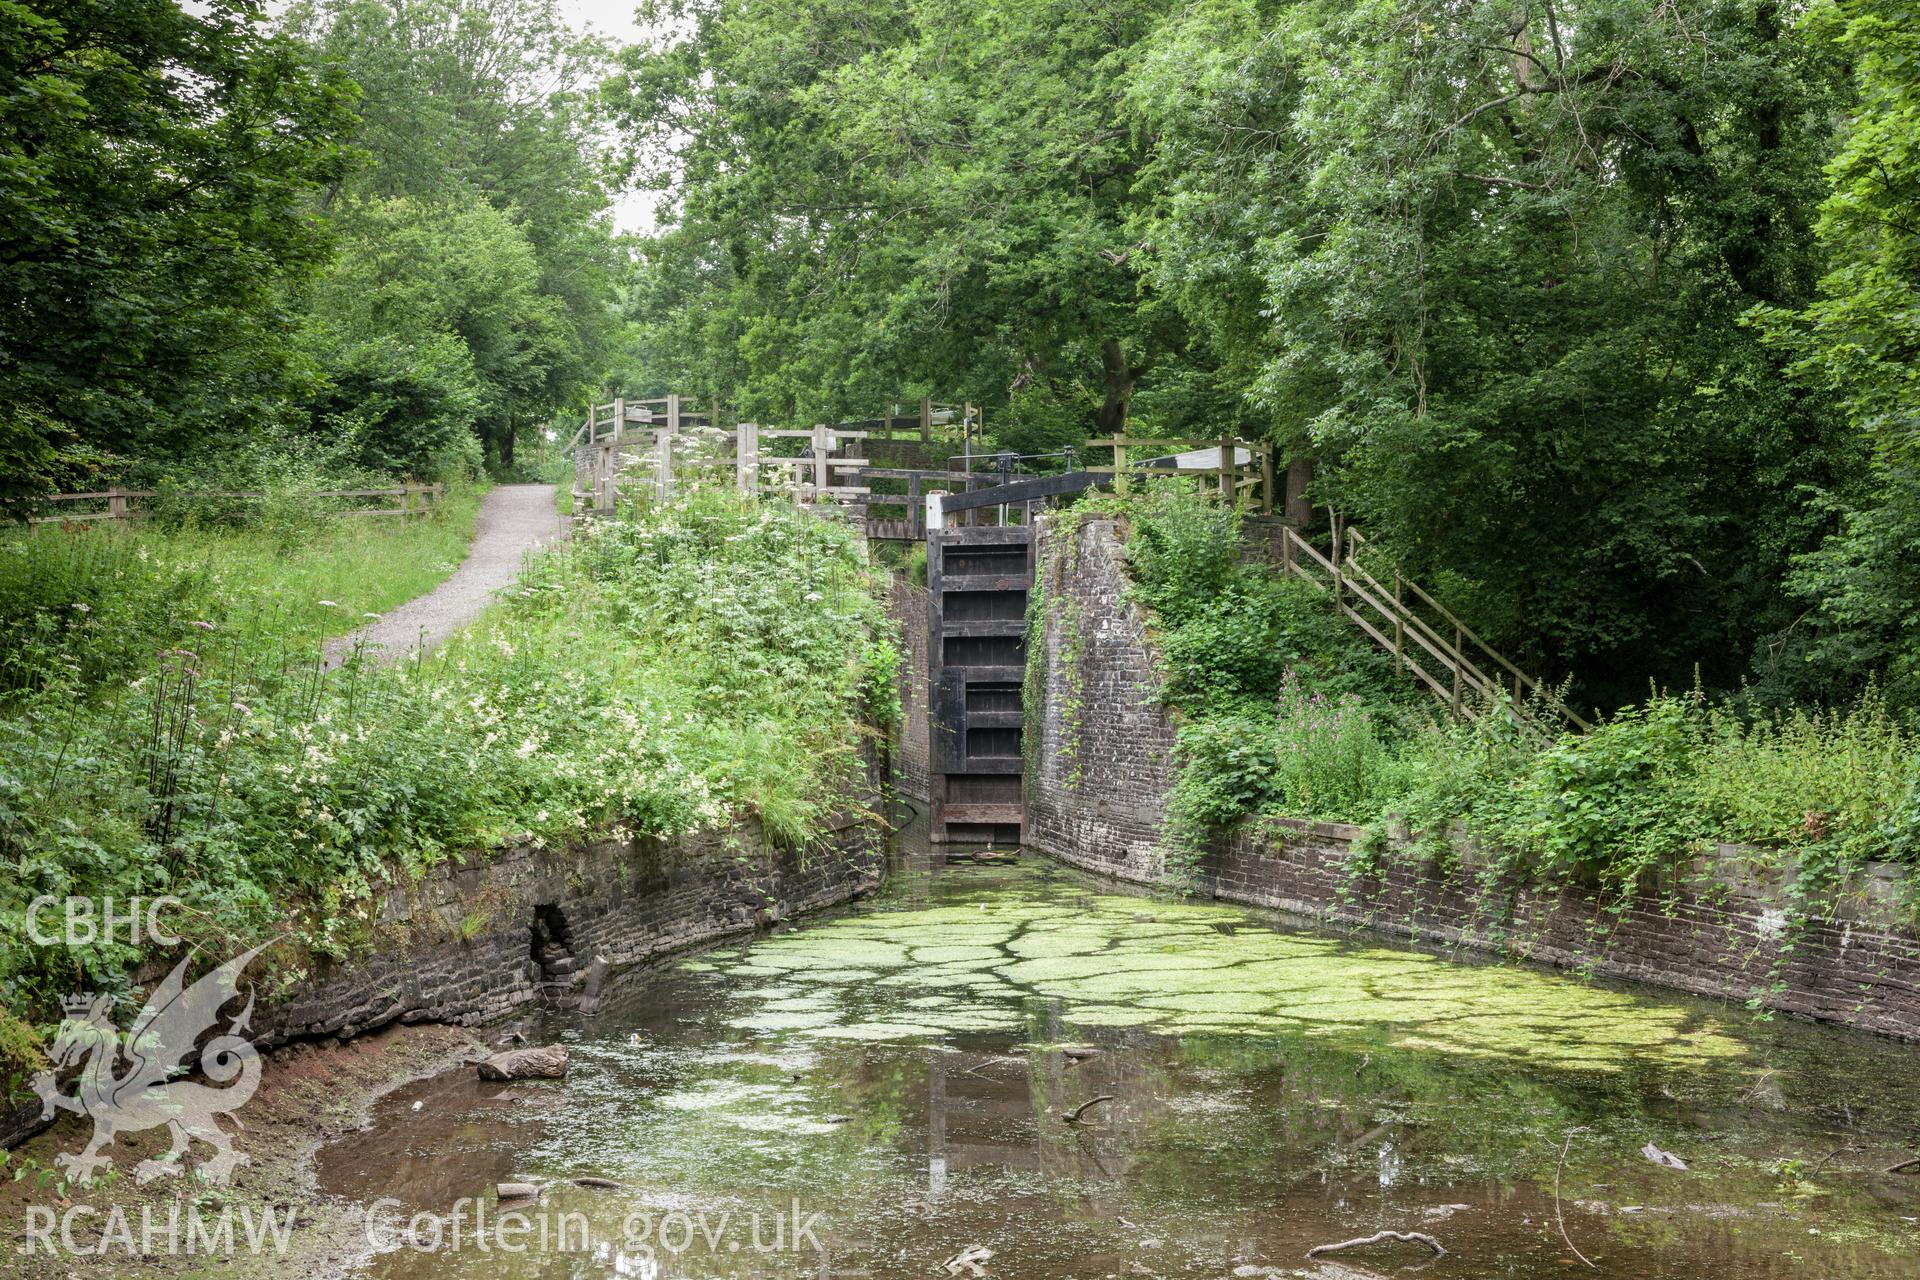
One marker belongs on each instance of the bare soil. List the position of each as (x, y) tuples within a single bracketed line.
[(309, 1094)]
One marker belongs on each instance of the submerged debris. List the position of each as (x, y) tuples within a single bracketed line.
[(1073, 1116), (1665, 1159), (547, 1063), (970, 1261), (1382, 1237)]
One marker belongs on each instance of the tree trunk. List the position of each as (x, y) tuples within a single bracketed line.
[(507, 437), (1112, 420)]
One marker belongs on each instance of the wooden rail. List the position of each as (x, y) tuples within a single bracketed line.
[(620, 418), (120, 508), (1233, 477), (830, 470), (1435, 647)]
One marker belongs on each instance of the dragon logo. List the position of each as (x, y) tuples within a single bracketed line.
[(145, 1095)]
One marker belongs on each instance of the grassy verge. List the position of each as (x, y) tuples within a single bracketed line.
[(652, 677), (106, 600), (1286, 711)]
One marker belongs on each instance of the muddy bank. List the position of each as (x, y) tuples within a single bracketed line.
[(310, 1093)]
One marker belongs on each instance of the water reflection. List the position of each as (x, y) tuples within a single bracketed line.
[(880, 1091)]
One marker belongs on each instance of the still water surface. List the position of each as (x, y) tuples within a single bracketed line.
[(889, 1082)]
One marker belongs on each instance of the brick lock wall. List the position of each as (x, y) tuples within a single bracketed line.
[(1100, 756), (907, 604), (1097, 791), (457, 946)]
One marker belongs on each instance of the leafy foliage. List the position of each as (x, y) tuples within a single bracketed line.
[(1285, 711), (156, 167), (1859, 341), (473, 290), (651, 677)]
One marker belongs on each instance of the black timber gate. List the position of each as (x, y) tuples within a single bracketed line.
[(978, 578)]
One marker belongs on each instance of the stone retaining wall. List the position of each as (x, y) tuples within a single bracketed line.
[(457, 945), (1097, 794), (908, 605)]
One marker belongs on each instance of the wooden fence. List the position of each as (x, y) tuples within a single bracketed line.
[(1426, 640), (617, 420), (1237, 469), (122, 506)]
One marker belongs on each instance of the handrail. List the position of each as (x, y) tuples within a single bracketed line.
[(1346, 579), (1527, 682), (119, 511)]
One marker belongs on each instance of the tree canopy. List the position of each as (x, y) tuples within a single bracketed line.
[(1493, 268), (156, 194), (1599, 315)]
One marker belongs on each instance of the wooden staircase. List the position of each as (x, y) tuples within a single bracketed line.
[(1426, 640)]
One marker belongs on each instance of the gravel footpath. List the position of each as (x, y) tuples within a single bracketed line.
[(514, 519)]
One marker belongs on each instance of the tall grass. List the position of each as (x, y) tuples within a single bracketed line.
[(107, 599)]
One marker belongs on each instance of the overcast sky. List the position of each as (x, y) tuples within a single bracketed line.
[(632, 210), (609, 17)]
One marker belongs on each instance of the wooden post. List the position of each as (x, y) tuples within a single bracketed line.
[(1286, 548), (673, 414), (1120, 468), (746, 457), (1266, 480), (926, 418), (1457, 639), (663, 464), (117, 505), (1399, 625), (1338, 589), (819, 462), (1229, 481), (916, 512)]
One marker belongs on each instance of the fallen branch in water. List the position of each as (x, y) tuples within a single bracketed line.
[(1558, 1220), (1904, 1165), (1381, 1237), (603, 1184), (1073, 1116), (1828, 1159)]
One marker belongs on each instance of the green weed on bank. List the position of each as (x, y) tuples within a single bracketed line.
[(106, 599), (649, 678), (1286, 711)]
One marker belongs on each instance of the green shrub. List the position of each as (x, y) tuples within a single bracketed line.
[(1807, 776), (717, 659), (1226, 771), (1329, 760), (1611, 805)]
